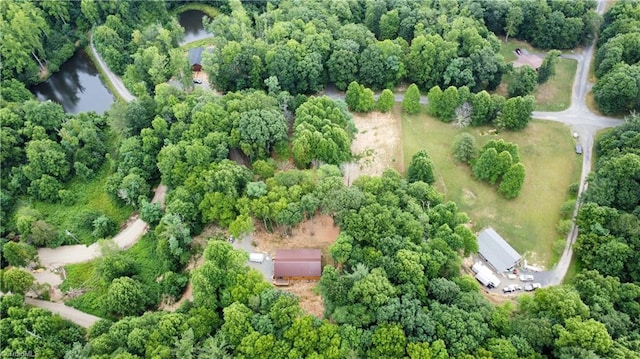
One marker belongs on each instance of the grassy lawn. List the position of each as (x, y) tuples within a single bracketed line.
[(507, 50), (555, 94), (90, 196), (527, 222)]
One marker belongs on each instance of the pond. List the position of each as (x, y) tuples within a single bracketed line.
[(191, 20), (77, 87)]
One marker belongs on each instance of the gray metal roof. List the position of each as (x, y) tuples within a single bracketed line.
[(195, 55), (496, 250)]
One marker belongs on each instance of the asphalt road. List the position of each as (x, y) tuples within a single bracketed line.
[(578, 117), (580, 120)]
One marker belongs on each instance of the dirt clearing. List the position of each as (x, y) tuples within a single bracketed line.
[(318, 232), (377, 145)]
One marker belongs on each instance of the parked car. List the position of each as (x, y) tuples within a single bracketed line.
[(526, 277), (579, 149), (529, 287), (511, 288), (197, 81)]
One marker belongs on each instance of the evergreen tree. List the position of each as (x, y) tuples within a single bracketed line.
[(421, 168), (411, 102)]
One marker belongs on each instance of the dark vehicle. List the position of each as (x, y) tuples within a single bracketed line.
[(197, 81), (579, 149)]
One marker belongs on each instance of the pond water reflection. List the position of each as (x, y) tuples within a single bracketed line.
[(77, 87), (191, 20)]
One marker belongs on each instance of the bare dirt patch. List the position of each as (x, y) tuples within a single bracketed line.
[(377, 145), (318, 232), (310, 302)]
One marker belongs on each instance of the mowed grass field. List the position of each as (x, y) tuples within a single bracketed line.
[(555, 94), (527, 222)]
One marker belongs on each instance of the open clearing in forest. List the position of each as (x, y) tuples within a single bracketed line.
[(317, 232), (555, 94), (527, 222), (377, 145)]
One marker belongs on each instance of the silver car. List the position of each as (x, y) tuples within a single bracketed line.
[(529, 287)]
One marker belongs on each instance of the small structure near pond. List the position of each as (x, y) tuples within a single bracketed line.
[(195, 58), (296, 264), (495, 250)]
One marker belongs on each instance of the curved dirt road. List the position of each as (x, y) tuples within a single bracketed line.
[(71, 314), (53, 259)]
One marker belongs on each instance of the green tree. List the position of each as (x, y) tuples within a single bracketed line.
[(117, 265), (484, 110), (411, 102), (323, 131), (367, 102), (19, 254), (548, 67), (342, 65), (590, 335), (386, 101), (513, 20), (260, 131), (618, 90), (42, 233), (512, 181), (435, 101), (516, 113), (449, 101), (16, 281), (485, 165), (104, 227), (243, 224), (24, 28), (421, 168), (389, 23), (524, 81), (388, 342), (464, 147), (352, 96), (125, 296)]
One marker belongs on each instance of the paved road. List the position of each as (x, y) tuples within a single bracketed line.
[(113, 78), (581, 120)]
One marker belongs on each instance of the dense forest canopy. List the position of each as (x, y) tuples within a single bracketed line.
[(617, 62), (394, 286)]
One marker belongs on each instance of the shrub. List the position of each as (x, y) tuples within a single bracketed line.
[(173, 284), (464, 147), (42, 233), (19, 254), (117, 265), (564, 226), (567, 208)]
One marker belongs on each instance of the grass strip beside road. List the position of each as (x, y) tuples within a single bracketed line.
[(527, 222), (555, 94)]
